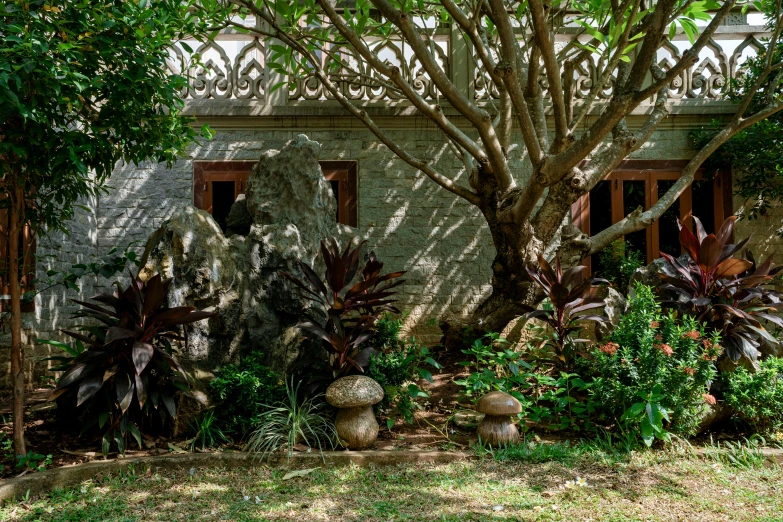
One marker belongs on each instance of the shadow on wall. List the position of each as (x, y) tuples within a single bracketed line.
[(410, 222)]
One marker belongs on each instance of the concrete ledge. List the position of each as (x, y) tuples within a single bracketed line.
[(68, 476)]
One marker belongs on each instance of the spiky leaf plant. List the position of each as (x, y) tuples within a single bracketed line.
[(732, 295), (570, 294), (120, 374), (352, 301), (291, 422)]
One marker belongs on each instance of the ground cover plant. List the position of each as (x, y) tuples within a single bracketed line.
[(654, 486), (397, 366), (120, 375), (550, 398)]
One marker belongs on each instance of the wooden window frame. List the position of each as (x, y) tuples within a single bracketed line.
[(205, 172), (344, 171), (652, 171)]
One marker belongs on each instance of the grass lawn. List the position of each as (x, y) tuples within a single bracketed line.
[(643, 486)]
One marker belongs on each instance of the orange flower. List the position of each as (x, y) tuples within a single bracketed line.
[(654, 324), (659, 337), (689, 371), (665, 348), (692, 334), (709, 399), (609, 348), (707, 344)]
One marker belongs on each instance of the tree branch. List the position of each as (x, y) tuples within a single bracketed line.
[(544, 43), (639, 219), (362, 115), (481, 120)]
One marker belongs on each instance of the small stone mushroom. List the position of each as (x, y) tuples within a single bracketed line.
[(497, 427), (354, 397)]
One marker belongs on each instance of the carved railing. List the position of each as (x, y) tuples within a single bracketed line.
[(234, 67)]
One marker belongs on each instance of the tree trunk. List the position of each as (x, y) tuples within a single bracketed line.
[(512, 291), (16, 221)]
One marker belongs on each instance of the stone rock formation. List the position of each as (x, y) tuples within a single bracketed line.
[(289, 208)]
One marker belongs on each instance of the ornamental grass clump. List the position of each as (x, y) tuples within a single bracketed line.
[(651, 350), (293, 421)]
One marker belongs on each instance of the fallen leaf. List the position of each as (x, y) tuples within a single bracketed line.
[(176, 449), (298, 473)]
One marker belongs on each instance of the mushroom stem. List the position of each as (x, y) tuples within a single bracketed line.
[(357, 426), (497, 430)]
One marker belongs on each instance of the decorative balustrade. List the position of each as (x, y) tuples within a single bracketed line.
[(234, 67)]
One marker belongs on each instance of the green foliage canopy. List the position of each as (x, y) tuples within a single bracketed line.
[(83, 85)]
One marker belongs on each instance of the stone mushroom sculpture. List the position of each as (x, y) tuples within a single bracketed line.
[(497, 427), (354, 397)]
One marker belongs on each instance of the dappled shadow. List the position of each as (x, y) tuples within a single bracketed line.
[(476, 490)]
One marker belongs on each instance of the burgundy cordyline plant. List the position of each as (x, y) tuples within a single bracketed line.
[(732, 295), (571, 294), (121, 373), (351, 308)]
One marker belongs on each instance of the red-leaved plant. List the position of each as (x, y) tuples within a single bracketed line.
[(351, 308), (729, 293), (571, 294), (121, 373)]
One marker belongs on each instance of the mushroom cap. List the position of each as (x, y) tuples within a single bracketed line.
[(353, 391), (498, 403)]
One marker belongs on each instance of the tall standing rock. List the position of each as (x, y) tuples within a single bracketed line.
[(291, 209)]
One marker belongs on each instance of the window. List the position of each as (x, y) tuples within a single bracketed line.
[(640, 183), (27, 253), (216, 185)]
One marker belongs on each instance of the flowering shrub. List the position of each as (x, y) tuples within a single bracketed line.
[(648, 350)]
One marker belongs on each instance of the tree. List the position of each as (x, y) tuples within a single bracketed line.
[(755, 153), (83, 85), (338, 45)]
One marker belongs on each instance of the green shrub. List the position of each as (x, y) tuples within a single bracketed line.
[(757, 397), (243, 390), (558, 401), (397, 366), (618, 264), (648, 352)]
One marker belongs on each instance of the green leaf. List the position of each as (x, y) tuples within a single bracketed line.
[(647, 432), (425, 374)]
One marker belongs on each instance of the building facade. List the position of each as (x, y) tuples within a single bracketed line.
[(412, 224)]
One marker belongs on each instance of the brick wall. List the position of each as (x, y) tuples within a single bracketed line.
[(412, 224)]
